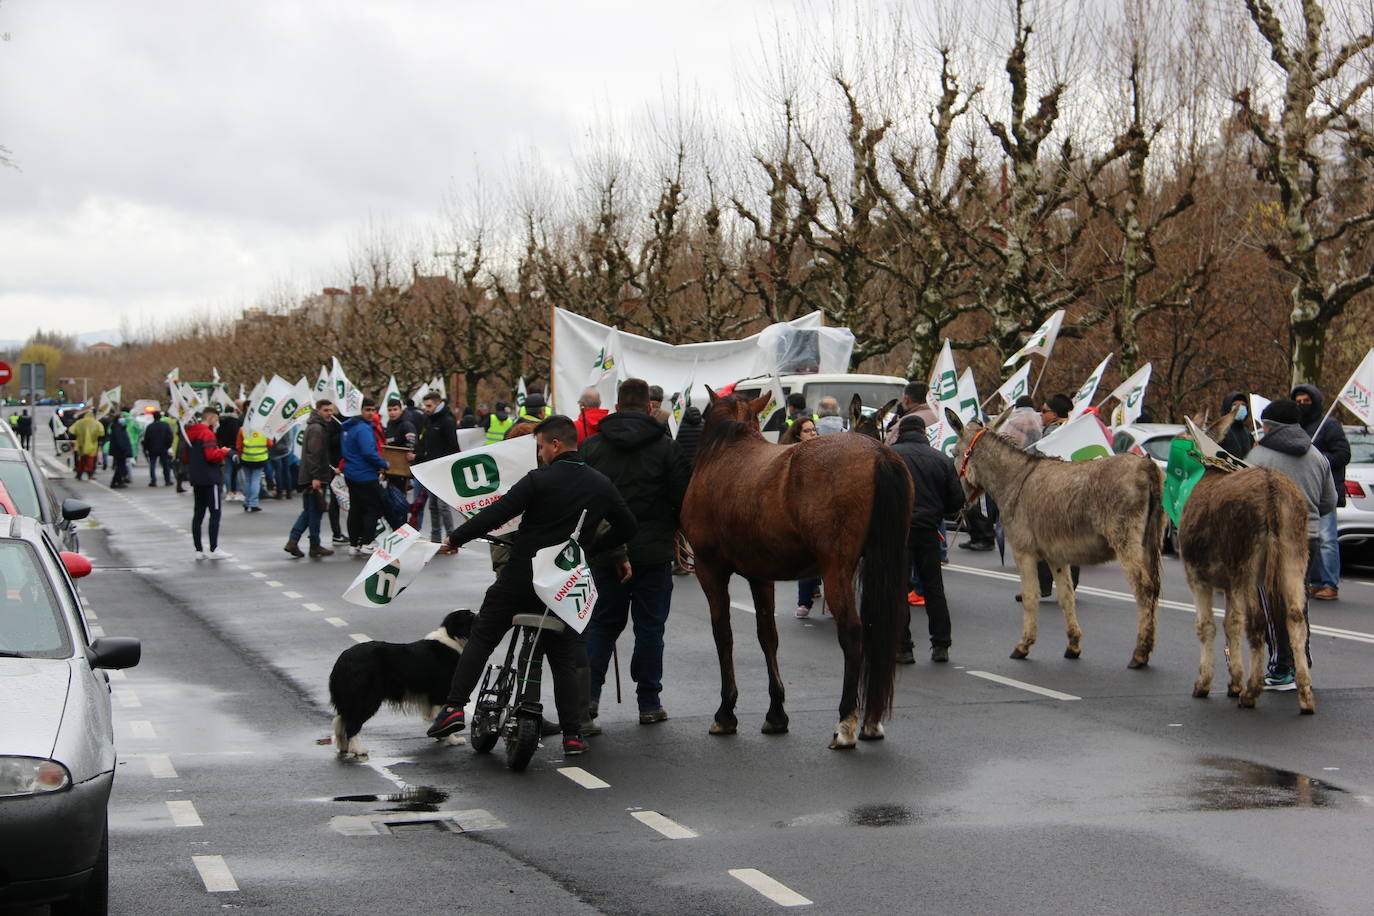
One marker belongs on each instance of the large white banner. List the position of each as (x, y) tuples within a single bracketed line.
[(280, 407), (395, 563), (1358, 393), (472, 480), (1084, 398), (1080, 439), (580, 346)]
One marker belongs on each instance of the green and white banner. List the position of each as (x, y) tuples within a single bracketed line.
[(395, 563), (1131, 394), (1041, 342), (1084, 398), (470, 481), (944, 392), (1080, 439), (563, 581), (1017, 385), (280, 407), (109, 400), (393, 392), (1358, 393)]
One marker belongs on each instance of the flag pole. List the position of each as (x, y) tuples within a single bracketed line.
[(1036, 386)]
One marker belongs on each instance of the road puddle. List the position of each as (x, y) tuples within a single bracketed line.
[(419, 798), (1242, 785), (881, 816)]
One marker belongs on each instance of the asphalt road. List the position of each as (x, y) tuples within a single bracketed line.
[(1115, 792)]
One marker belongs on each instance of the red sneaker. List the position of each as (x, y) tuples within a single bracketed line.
[(914, 599)]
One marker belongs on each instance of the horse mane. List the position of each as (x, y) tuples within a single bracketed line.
[(717, 435)]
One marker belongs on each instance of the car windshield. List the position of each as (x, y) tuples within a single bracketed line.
[(873, 394), (18, 482), (1158, 447), (31, 622), (1361, 447)]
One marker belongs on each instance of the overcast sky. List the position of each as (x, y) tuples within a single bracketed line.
[(174, 156)]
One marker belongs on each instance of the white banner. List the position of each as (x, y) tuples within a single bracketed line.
[(109, 400), (395, 563), (324, 388), (1131, 394), (257, 391), (1042, 341), (1358, 393), (563, 581), (520, 395), (393, 392), (281, 406), (1080, 439), (1017, 385), (1257, 405), (472, 480), (1084, 398), (580, 344), (944, 392), (339, 487), (968, 397)]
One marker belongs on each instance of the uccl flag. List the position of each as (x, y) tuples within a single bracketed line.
[(1084, 398), (1080, 439), (470, 481), (944, 392), (1131, 394), (1017, 385), (1042, 341), (1358, 393), (395, 563)]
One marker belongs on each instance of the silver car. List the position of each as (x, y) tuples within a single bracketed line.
[(57, 754), (1355, 520)]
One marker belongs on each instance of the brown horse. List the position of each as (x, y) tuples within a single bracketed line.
[(742, 515)]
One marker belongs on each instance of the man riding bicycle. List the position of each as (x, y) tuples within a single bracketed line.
[(551, 498)]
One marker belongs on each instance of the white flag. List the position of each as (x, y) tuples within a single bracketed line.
[(174, 376), (1042, 341), (944, 392), (1358, 393), (562, 579), (438, 384), (1257, 405), (1131, 394), (968, 397), (1017, 385), (520, 395), (324, 388), (393, 391), (1084, 398), (1080, 439), (109, 400), (395, 563), (469, 481), (257, 391), (242, 396), (776, 401)]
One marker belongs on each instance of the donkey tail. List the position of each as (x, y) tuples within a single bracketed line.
[(1154, 518), (883, 582)]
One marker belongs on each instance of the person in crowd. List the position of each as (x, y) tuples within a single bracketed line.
[(828, 419), (121, 451), (316, 473), (1328, 437), (207, 457), (399, 431), (808, 590), (689, 435), (590, 413), (499, 422), (438, 439), (87, 432), (469, 419), (1024, 426), (649, 472), (938, 494), (251, 449), (801, 430), (157, 446), (796, 407), (550, 500), (655, 398), (362, 466), (913, 401), (534, 410), (334, 439), (23, 426), (279, 464), (227, 435), (1287, 448), (1238, 439)]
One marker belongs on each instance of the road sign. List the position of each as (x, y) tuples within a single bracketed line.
[(5, 373)]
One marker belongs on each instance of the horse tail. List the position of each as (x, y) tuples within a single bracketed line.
[(883, 581)]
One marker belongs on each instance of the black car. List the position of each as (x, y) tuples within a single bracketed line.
[(27, 490)]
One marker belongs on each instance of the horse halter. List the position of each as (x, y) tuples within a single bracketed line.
[(963, 467)]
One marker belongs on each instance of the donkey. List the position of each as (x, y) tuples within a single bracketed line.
[(1245, 534), (1070, 513)]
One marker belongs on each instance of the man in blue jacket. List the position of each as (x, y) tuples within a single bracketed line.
[(362, 463)]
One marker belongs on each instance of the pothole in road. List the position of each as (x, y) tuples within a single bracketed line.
[(1242, 785), (419, 798)]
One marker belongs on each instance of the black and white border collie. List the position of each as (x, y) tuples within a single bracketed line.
[(412, 676)]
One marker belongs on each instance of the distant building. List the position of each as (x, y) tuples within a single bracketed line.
[(101, 349)]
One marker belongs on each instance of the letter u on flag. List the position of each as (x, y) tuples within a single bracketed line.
[(469, 481)]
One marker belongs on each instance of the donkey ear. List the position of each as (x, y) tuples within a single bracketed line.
[(996, 424), (883, 411), (953, 420), (856, 411)]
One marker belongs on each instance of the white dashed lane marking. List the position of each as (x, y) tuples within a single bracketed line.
[(291, 594), (215, 874), (160, 766), (142, 728), (272, 583), (115, 674), (309, 606), (747, 608), (664, 825), (184, 814), (1022, 685), (771, 888), (335, 621), (127, 698), (97, 632), (583, 778), (258, 575), (360, 637)]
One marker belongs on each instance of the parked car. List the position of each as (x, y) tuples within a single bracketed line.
[(25, 488), (1149, 439), (1355, 520), (8, 437), (57, 753), (874, 390)]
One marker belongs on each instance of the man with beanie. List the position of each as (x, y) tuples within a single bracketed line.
[(1328, 437), (1286, 448), (937, 494)]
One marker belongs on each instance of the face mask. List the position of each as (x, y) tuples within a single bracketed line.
[(1243, 412)]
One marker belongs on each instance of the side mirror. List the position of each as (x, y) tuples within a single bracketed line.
[(73, 509), (78, 567), (114, 652)]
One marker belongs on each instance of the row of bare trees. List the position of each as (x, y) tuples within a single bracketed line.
[(1191, 181)]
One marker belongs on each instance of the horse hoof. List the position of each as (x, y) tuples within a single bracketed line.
[(835, 744), (872, 733), (1201, 692), (775, 728), (718, 729), (1136, 663), (1233, 692), (1307, 710), (1072, 653), (1247, 702), (1018, 652)]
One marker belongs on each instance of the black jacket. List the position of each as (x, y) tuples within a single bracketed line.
[(647, 467), (689, 435), (120, 446), (439, 437), (227, 433), (552, 499), (315, 462), (938, 492), (157, 438), (400, 433), (1239, 439), (1330, 440)]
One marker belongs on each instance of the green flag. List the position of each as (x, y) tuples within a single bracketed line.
[(1182, 474)]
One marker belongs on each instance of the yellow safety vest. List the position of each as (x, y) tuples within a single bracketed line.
[(530, 418), (254, 448), (497, 428)]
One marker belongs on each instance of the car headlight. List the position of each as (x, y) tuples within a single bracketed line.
[(32, 776)]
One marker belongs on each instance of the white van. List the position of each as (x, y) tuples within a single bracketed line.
[(873, 390)]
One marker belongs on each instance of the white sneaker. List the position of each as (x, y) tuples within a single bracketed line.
[(202, 555), (802, 611), (353, 551), (367, 549), (218, 554)]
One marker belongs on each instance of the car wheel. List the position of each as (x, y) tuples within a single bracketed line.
[(94, 898)]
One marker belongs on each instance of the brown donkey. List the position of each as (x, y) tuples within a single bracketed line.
[(1070, 513), (1245, 534)]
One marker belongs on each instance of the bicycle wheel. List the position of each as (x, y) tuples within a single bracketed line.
[(492, 698), (522, 741), (485, 731)]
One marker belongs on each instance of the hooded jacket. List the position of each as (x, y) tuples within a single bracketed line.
[(938, 492), (1330, 440), (1238, 439), (206, 456), (439, 436), (315, 463), (1287, 449), (648, 468), (689, 435), (1024, 427), (361, 460), (120, 446)]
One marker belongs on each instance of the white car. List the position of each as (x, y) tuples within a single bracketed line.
[(1149, 439), (873, 390), (1355, 520)]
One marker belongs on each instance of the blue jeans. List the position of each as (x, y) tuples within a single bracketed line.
[(250, 480), (806, 591), (166, 460), (644, 600), (230, 474), (1326, 571), (310, 516)]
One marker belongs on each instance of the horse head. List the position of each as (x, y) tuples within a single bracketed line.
[(733, 407)]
